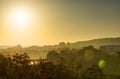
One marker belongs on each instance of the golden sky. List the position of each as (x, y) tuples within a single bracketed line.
[(38, 22)]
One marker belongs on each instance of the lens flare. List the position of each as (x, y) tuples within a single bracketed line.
[(102, 63)]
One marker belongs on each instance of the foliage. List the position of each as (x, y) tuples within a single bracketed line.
[(64, 64)]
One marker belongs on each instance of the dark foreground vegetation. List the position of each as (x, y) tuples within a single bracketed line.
[(63, 64)]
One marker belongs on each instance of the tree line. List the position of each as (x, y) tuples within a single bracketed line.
[(19, 66)]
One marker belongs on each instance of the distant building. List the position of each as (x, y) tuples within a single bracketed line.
[(36, 61), (111, 49)]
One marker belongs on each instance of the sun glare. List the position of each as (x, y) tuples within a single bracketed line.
[(20, 17)]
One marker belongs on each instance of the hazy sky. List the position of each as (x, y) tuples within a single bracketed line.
[(40, 22)]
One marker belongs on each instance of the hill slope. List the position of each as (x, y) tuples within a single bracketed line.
[(97, 42)]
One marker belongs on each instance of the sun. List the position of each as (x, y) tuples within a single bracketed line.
[(20, 17), (20, 20)]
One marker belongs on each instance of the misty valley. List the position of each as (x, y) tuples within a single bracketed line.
[(59, 39), (62, 61)]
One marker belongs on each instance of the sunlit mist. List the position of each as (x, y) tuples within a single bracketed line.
[(39, 22)]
